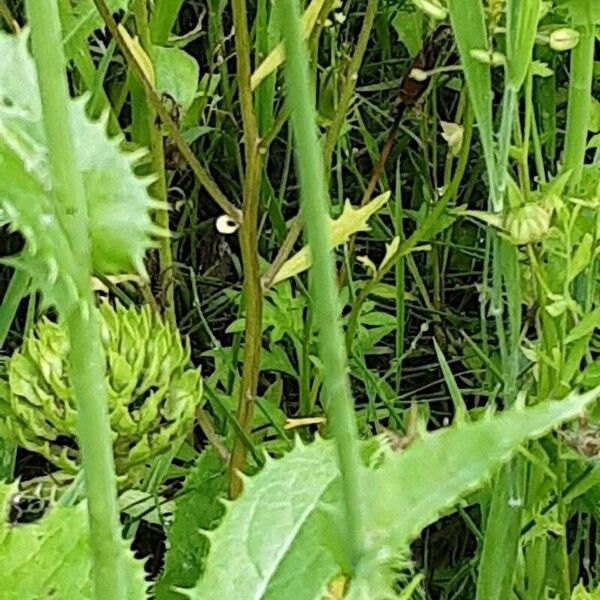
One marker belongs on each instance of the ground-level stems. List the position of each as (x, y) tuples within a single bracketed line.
[(85, 358)]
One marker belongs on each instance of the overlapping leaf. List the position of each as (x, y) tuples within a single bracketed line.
[(271, 542), (118, 202), (51, 558)]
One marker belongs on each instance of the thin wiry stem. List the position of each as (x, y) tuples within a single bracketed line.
[(248, 236)]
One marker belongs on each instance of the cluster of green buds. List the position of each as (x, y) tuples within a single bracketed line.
[(152, 391)]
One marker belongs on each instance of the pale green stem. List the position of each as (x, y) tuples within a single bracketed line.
[(17, 288), (87, 366), (324, 292), (580, 103), (504, 137)]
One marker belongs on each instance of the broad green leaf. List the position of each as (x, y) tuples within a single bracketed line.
[(198, 508), (119, 205), (163, 17), (582, 12), (176, 73), (408, 24), (431, 475), (587, 325), (351, 221), (269, 542), (51, 558)]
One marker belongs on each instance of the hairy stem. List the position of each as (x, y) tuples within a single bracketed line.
[(87, 366), (339, 403)]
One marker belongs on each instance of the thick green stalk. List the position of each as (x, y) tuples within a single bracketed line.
[(248, 235), (580, 102), (86, 359), (324, 290)]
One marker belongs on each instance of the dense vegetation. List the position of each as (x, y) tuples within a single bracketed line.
[(299, 302)]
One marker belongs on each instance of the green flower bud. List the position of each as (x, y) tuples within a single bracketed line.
[(432, 8), (152, 391), (564, 39), (527, 224)]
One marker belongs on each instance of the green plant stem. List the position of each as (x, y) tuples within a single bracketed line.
[(159, 187), (504, 136), (199, 171), (347, 92), (248, 235), (86, 363), (580, 102), (17, 288), (324, 292)]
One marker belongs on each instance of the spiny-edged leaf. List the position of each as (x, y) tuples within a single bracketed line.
[(118, 202), (580, 593), (582, 12), (51, 558), (351, 221), (198, 508), (431, 475), (269, 542), (79, 18), (176, 73)]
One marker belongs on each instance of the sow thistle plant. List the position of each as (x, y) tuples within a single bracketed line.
[(106, 390)]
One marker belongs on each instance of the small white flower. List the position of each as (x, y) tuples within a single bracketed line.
[(226, 225), (418, 75)]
